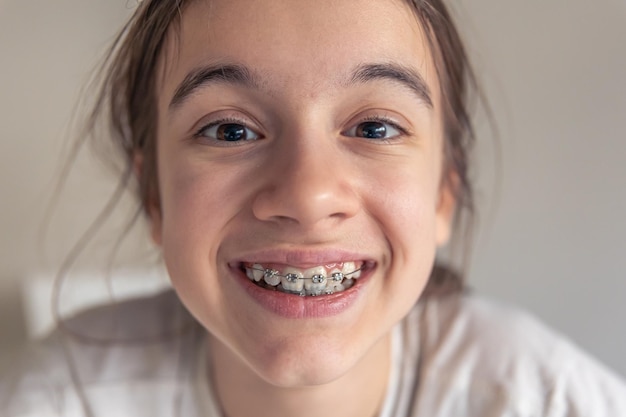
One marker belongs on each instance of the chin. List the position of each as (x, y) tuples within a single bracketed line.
[(297, 360), (299, 371), (312, 358)]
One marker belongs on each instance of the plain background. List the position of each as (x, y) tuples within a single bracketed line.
[(552, 230)]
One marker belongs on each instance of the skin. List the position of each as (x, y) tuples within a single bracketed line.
[(381, 200)]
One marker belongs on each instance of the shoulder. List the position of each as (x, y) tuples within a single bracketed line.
[(130, 346), (484, 354), (130, 320)]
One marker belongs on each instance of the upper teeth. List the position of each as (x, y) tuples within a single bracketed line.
[(312, 281)]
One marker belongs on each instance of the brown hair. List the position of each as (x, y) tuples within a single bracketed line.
[(127, 104)]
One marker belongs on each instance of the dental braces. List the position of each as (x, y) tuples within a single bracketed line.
[(317, 278)]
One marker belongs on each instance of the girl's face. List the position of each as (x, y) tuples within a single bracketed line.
[(302, 137)]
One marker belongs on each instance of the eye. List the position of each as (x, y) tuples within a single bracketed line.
[(375, 129), (228, 131)]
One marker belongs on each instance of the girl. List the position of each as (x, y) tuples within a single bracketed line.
[(299, 164)]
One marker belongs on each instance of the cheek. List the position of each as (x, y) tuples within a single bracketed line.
[(187, 207), (197, 208), (411, 229), (405, 199), (403, 202), (196, 199), (197, 205)]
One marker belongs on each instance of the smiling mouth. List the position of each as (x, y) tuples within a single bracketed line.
[(319, 280)]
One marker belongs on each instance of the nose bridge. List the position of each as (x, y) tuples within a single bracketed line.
[(303, 184)]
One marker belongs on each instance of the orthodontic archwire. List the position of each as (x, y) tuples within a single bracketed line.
[(317, 278)]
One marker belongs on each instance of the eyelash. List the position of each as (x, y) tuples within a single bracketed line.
[(199, 134), (385, 120)]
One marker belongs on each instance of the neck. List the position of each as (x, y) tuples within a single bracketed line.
[(358, 393)]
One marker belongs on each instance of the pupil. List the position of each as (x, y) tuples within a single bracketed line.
[(231, 132), (372, 130)]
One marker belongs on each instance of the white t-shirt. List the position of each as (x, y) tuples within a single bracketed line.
[(456, 356)]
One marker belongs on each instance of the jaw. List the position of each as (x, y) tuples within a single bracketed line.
[(305, 348), (315, 356)]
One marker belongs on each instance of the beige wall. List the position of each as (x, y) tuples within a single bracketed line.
[(47, 50), (554, 71)]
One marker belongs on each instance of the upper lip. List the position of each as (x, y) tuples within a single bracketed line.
[(300, 257)]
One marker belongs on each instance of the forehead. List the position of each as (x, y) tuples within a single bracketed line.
[(297, 45)]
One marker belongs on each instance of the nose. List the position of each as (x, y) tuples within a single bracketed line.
[(307, 183)]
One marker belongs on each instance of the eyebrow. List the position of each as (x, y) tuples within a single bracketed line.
[(237, 74), (200, 77), (394, 72)]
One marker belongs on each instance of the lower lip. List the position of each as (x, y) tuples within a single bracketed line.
[(297, 307)]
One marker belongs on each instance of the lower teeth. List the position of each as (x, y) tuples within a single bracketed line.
[(347, 283)]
